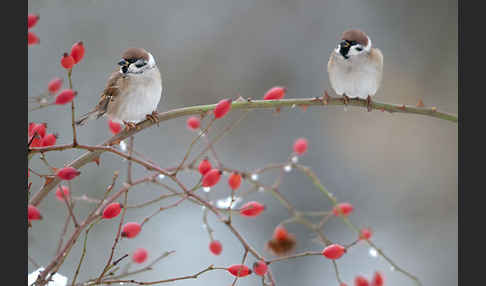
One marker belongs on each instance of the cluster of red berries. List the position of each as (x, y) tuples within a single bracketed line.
[(377, 280), (65, 96), (240, 270), (38, 137), (129, 230), (77, 53), (32, 38)]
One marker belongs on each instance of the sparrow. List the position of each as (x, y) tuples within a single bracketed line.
[(132, 93), (355, 68)]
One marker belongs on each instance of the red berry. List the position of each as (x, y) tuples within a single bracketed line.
[(131, 229), (32, 38), (49, 140), (33, 213), (361, 281), (234, 181), (62, 193), (40, 129), (67, 61), (333, 251), (30, 130), (215, 247), (222, 108), (377, 279), (54, 85), (239, 270), (32, 20), (204, 167), (211, 178), (112, 210), (193, 123), (115, 127), (68, 173), (252, 209), (36, 142), (276, 92), (260, 268), (365, 233), (346, 209), (140, 255), (280, 233), (65, 96), (77, 52), (300, 146)]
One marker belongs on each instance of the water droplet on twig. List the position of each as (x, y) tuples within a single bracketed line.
[(373, 253)]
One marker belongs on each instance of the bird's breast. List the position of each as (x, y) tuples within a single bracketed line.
[(355, 79), (140, 98)]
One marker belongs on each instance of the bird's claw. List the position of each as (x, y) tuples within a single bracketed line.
[(345, 99), (369, 103), (153, 117), (129, 126)]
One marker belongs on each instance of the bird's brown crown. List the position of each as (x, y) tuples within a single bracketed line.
[(356, 36), (135, 54)]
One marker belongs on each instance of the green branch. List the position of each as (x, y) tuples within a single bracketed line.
[(240, 103)]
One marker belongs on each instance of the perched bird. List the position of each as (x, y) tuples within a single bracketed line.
[(132, 93), (355, 68)]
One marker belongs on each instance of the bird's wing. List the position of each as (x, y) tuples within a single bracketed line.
[(376, 57), (110, 92)]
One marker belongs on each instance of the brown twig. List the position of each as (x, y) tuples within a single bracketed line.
[(117, 238), (73, 116), (193, 276)]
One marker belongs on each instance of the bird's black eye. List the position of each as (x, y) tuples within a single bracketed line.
[(359, 49), (140, 63)]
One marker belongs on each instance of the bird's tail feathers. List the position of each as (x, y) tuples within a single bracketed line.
[(84, 118)]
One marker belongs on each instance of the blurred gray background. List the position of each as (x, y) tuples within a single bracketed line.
[(400, 171)]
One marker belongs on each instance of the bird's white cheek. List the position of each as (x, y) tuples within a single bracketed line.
[(353, 52)]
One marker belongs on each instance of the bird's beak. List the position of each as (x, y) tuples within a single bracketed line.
[(123, 63), (344, 48)]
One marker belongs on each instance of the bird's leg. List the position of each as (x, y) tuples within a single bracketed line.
[(129, 125), (345, 99), (153, 117), (368, 103)]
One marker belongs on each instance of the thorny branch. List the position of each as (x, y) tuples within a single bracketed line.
[(297, 216)]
